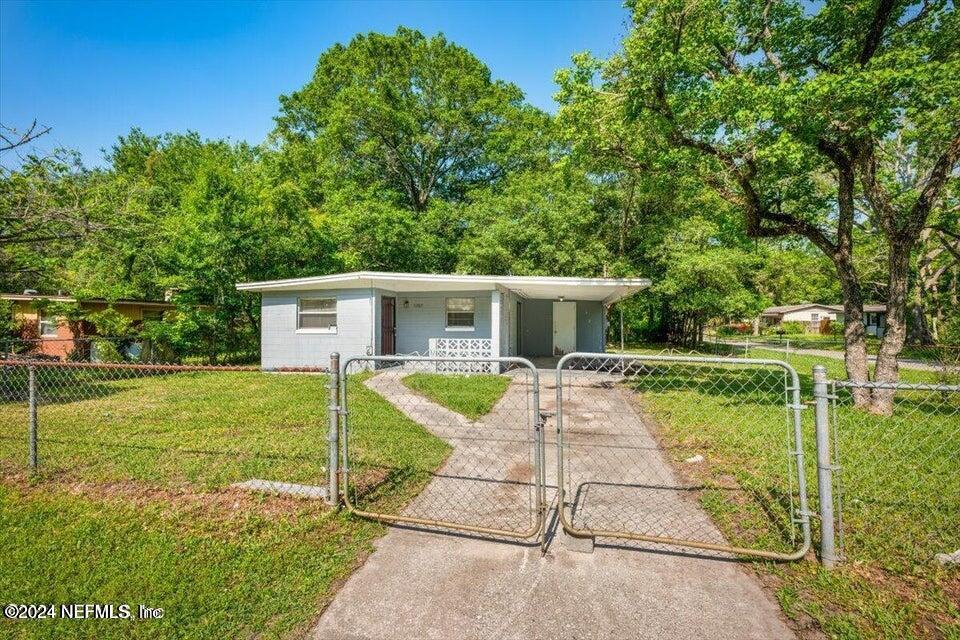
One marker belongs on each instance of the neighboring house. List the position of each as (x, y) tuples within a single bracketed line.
[(55, 335), (813, 315), (304, 320)]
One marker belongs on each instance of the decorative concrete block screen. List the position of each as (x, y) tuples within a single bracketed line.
[(462, 348)]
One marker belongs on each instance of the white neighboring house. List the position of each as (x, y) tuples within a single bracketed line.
[(304, 320), (812, 314)]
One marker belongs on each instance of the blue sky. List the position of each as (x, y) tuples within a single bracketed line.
[(93, 70)]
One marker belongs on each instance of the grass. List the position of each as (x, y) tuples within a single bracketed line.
[(928, 354), (902, 498), (471, 396), (133, 505)]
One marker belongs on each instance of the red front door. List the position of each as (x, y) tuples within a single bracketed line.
[(388, 326)]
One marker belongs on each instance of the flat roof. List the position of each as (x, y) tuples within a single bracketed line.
[(774, 311), (605, 290)]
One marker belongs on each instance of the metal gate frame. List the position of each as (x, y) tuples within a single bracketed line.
[(539, 473), (802, 515)]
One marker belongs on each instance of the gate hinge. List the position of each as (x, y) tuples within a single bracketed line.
[(798, 407), (808, 514), (830, 467)]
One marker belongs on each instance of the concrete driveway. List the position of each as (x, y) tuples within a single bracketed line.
[(422, 584)]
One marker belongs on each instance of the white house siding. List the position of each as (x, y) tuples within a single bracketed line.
[(806, 315), (283, 346), (421, 316)]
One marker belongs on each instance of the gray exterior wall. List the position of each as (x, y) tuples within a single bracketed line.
[(283, 346), (591, 327), (421, 316), (536, 327)]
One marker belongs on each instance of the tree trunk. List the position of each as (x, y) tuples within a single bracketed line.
[(954, 287), (854, 333), (888, 369), (920, 330)]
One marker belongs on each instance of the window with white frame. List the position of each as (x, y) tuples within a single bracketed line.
[(460, 314), (814, 317), (317, 315), (48, 325)]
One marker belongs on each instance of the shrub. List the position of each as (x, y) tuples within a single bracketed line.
[(950, 331), (793, 327), (836, 328), (105, 351)]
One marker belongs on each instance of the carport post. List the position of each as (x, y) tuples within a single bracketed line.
[(333, 458), (828, 554), (32, 400)]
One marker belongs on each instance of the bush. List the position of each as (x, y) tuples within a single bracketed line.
[(793, 327), (734, 330), (105, 351), (950, 331), (837, 328)]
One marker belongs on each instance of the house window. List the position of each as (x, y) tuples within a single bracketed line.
[(317, 315), (460, 313), (48, 325), (814, 317)]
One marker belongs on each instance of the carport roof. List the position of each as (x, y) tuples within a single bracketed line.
[(605, 290)]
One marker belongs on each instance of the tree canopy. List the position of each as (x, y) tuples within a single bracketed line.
[(740, 154)]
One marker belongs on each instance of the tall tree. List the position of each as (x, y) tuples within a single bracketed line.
[(421, 117), (49, 207), (783, 111)]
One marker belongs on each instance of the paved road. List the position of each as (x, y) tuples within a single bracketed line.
[(421, 584)]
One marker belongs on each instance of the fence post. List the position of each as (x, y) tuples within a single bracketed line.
[(828, 553), (32, 400), (333, 449)]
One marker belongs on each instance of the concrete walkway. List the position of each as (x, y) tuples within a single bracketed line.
[(420, 584)]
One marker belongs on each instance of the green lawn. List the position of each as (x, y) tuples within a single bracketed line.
[(472, 396), (935, 355), (899, 480), (132, 503)]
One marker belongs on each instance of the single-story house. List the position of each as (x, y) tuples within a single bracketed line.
[(304, 320), (812, 315), (55, 336)]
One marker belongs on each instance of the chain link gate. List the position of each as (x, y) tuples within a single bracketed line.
[(420, 450), (895, 495), (681, 450)]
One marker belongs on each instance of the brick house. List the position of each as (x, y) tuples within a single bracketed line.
[(55, 336)]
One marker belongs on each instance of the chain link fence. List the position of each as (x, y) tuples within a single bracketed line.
[(699, 452), (166, 426), (897, 477), (941, 359), (466, 455), (121, 349)]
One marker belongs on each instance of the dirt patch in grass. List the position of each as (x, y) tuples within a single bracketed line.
[(365, 481), (217, 507)]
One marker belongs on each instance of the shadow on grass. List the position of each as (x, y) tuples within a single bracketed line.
[(56, 386), (184, 450)]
